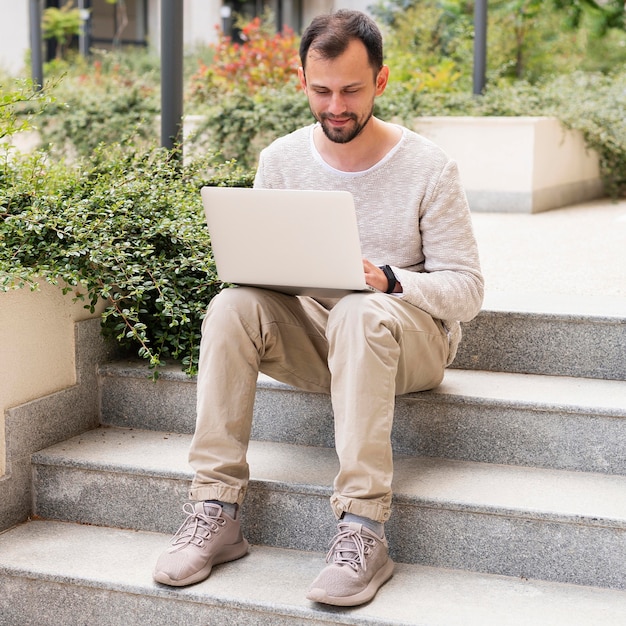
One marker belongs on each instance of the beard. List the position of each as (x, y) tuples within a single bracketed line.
[(345, 133)]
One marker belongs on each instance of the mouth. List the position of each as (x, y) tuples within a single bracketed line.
[(338, 121)]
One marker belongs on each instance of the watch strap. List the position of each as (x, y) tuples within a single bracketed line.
[(392, 281)]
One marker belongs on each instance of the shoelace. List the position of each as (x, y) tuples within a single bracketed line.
[(196, 528), (350, 548)]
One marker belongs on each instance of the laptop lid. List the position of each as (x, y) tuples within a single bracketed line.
[(294, 241)]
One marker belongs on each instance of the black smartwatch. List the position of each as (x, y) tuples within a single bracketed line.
[(392, 281)]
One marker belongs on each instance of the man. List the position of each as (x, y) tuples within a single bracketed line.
[(364, 348)]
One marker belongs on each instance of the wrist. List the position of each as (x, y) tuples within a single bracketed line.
[(392, 281)]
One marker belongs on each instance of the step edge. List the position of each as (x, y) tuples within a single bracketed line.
[(525, 590), (401, 496)]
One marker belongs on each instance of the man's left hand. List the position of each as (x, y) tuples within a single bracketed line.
[(376, 278)]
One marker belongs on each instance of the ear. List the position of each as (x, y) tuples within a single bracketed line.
[(302, 78), (382, 79)]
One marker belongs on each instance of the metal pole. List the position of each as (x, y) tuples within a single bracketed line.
[(480, 46), (279, 16), (171, 73), (84, 43), (36, 61)]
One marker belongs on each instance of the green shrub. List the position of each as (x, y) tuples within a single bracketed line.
[(527, 39), (19, 104), (112, 99), (128, 227), (239, 125)]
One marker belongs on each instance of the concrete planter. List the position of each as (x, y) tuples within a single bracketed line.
[(517, 164), (50, 348)]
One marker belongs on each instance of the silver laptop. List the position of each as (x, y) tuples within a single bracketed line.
[(297, 242)]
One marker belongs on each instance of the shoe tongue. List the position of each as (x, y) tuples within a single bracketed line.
[(210, 509), (347, 546)]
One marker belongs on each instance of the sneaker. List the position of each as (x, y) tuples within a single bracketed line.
[(206, 538), (360, 566)]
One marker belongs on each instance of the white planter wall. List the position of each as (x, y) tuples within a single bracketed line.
[(517, 164)]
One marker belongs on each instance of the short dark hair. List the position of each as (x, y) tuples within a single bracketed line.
[(330, 35)]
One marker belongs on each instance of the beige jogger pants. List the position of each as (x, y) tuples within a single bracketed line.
[(363, 349)]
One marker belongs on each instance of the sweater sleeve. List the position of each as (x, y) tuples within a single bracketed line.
[(451, 286)]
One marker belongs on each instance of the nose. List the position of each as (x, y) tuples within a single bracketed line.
[(336, 105)]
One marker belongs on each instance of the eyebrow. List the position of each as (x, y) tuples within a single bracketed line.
[(320, 86)]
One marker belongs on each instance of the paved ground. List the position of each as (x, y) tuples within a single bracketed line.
[(573, 251)]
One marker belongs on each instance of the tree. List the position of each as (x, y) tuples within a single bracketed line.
[(526, 15), (526, 37)]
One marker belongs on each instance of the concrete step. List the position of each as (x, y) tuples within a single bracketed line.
[(520, 419), (545, 524), (555, 335), (55, 573)]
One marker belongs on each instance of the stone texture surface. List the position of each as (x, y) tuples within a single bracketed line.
[(265, 587), (519, 521)]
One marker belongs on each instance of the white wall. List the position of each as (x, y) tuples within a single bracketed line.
[(14, 35)]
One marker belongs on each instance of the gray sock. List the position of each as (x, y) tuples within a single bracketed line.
[(230, 508), (373, 525)]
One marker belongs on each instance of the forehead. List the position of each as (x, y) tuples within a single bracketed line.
[(352, 64)]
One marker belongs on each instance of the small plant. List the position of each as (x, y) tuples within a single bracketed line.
[(61, 24)]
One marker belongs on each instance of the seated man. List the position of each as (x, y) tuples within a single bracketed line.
[(364, 348)]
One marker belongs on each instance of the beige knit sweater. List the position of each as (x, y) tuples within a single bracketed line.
[(412, 214)]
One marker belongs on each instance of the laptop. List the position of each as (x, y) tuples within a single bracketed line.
[(294, 241)]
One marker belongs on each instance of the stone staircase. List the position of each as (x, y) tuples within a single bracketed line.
[(509, 509)]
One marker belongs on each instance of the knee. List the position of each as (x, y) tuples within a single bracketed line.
[(239, 299), (229, 305), (361, 311)]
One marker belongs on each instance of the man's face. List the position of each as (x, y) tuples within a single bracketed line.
[(341, 91)]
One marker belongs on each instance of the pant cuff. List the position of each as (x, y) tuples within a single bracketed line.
[(377, 510)]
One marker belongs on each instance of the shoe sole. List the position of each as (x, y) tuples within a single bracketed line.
[(380, 578), (228, 553)]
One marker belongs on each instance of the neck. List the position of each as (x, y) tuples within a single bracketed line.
[(375, 140)]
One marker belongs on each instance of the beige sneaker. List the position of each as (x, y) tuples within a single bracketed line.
[(360, 566), (206, 538)]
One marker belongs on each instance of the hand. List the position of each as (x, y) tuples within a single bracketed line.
[(376, 278)]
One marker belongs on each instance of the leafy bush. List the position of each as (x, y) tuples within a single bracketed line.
[(264, 59), (112, 99), (124, 225), (239, 125), (429, 46), (19, 103)]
